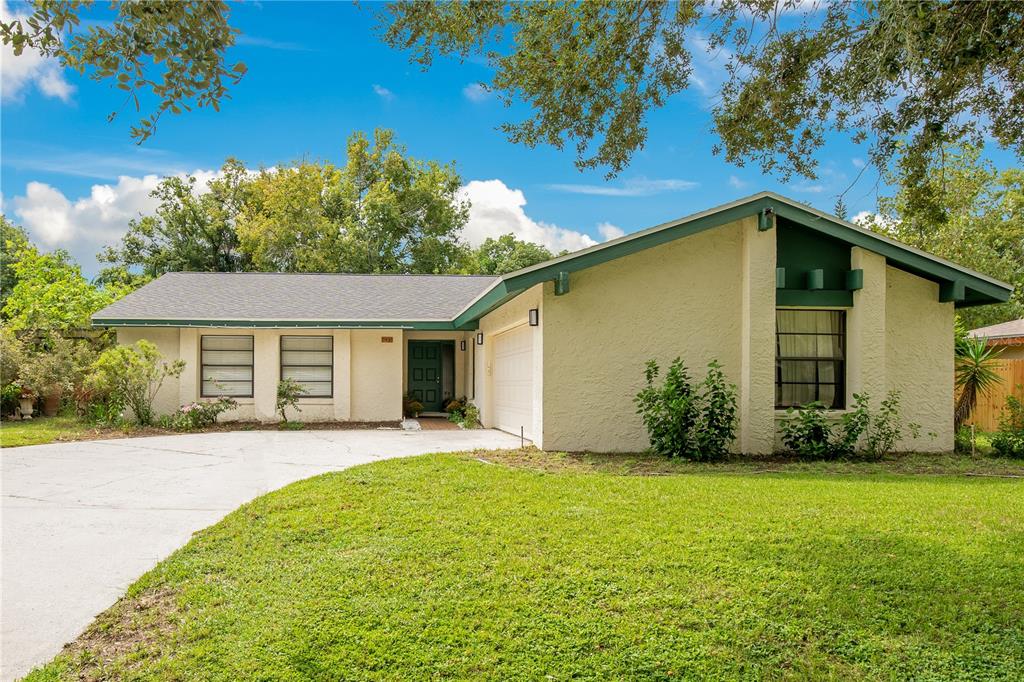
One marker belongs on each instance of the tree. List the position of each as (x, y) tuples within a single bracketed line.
[(12, 240), (398, 213), (913, 75), (983, 226), (133, 375), (193, 229), (171, 49), (290, 222), (51, 294), (507, 254), (383, 211), (975, 374)]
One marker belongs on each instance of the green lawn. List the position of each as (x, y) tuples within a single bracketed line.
[(448, 567), (40, 430)]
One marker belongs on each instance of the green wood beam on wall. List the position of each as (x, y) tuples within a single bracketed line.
[(816, 279), (855, 279), (766, 219), (831, 298), (952, 292), (562, 283), (780, 278)]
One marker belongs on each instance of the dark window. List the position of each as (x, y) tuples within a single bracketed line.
[(309, 360), (226, 366), (810, 358)]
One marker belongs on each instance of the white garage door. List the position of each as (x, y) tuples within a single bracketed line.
[(513, 380)]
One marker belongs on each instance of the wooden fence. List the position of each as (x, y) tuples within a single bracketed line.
[(986, 413)]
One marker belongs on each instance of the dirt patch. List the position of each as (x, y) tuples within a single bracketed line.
[(133, 630)]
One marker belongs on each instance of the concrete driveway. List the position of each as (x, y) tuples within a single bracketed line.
[(81, 521)]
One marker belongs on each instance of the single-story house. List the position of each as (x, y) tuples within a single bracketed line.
[(796, 305), (1007, 336)]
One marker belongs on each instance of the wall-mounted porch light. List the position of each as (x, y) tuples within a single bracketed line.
[(462, 344), (534, 317), (479, 338)]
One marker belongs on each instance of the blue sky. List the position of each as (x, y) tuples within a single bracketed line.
[(317, 72)]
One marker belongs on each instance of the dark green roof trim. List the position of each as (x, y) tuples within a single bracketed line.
[(286, 324), (979, 289)]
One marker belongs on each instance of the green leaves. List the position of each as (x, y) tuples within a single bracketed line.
[(684, 420), (171, 52), (910, 77)]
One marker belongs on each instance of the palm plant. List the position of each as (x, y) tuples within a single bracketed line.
[(976, 375)]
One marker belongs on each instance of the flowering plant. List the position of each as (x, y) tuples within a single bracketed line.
[(200, 414)]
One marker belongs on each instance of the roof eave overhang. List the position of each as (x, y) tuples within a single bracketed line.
[(958, 285), (413, 325)]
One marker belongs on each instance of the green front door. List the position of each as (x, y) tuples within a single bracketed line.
[(425, 374)]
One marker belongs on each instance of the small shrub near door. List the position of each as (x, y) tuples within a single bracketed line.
[(688, 420)]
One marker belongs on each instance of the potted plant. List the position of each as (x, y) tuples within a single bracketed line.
[(26, 401), (411, 407)]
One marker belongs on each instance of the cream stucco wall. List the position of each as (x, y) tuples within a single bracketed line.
[(685, 298), (715, 298), (919, 358), (367, 372), (167, 342)]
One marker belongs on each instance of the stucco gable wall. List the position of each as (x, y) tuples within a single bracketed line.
[(166, 341), (683, 298), (919, 358)]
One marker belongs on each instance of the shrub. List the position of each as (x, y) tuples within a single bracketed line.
[(132, 376), (199, 415), (717, 425), (456, 409), (1008, 441), (683, 420), (57, 365), (288, 393), (470, 416), (809, 434), (411, 407)]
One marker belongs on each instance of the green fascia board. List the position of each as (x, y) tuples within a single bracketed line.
[(838, 298), (980, 290), (287, 324)]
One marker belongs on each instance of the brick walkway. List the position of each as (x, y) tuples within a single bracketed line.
[(437, 424)]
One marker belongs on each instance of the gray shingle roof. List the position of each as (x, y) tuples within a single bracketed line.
[(197, 296), (1002, 330)]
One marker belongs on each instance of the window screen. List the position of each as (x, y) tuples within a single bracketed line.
[(309, 360), (810, 354), (226, 366)]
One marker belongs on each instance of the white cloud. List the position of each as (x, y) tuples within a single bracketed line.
[(857, 163), (476, 92), (86, 224), (103, 215), (497, 209), (736, 182), (636, 187), (18, 73), (807, 188), (269, 43), (383, 92), (609, 231), (875, 221)]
